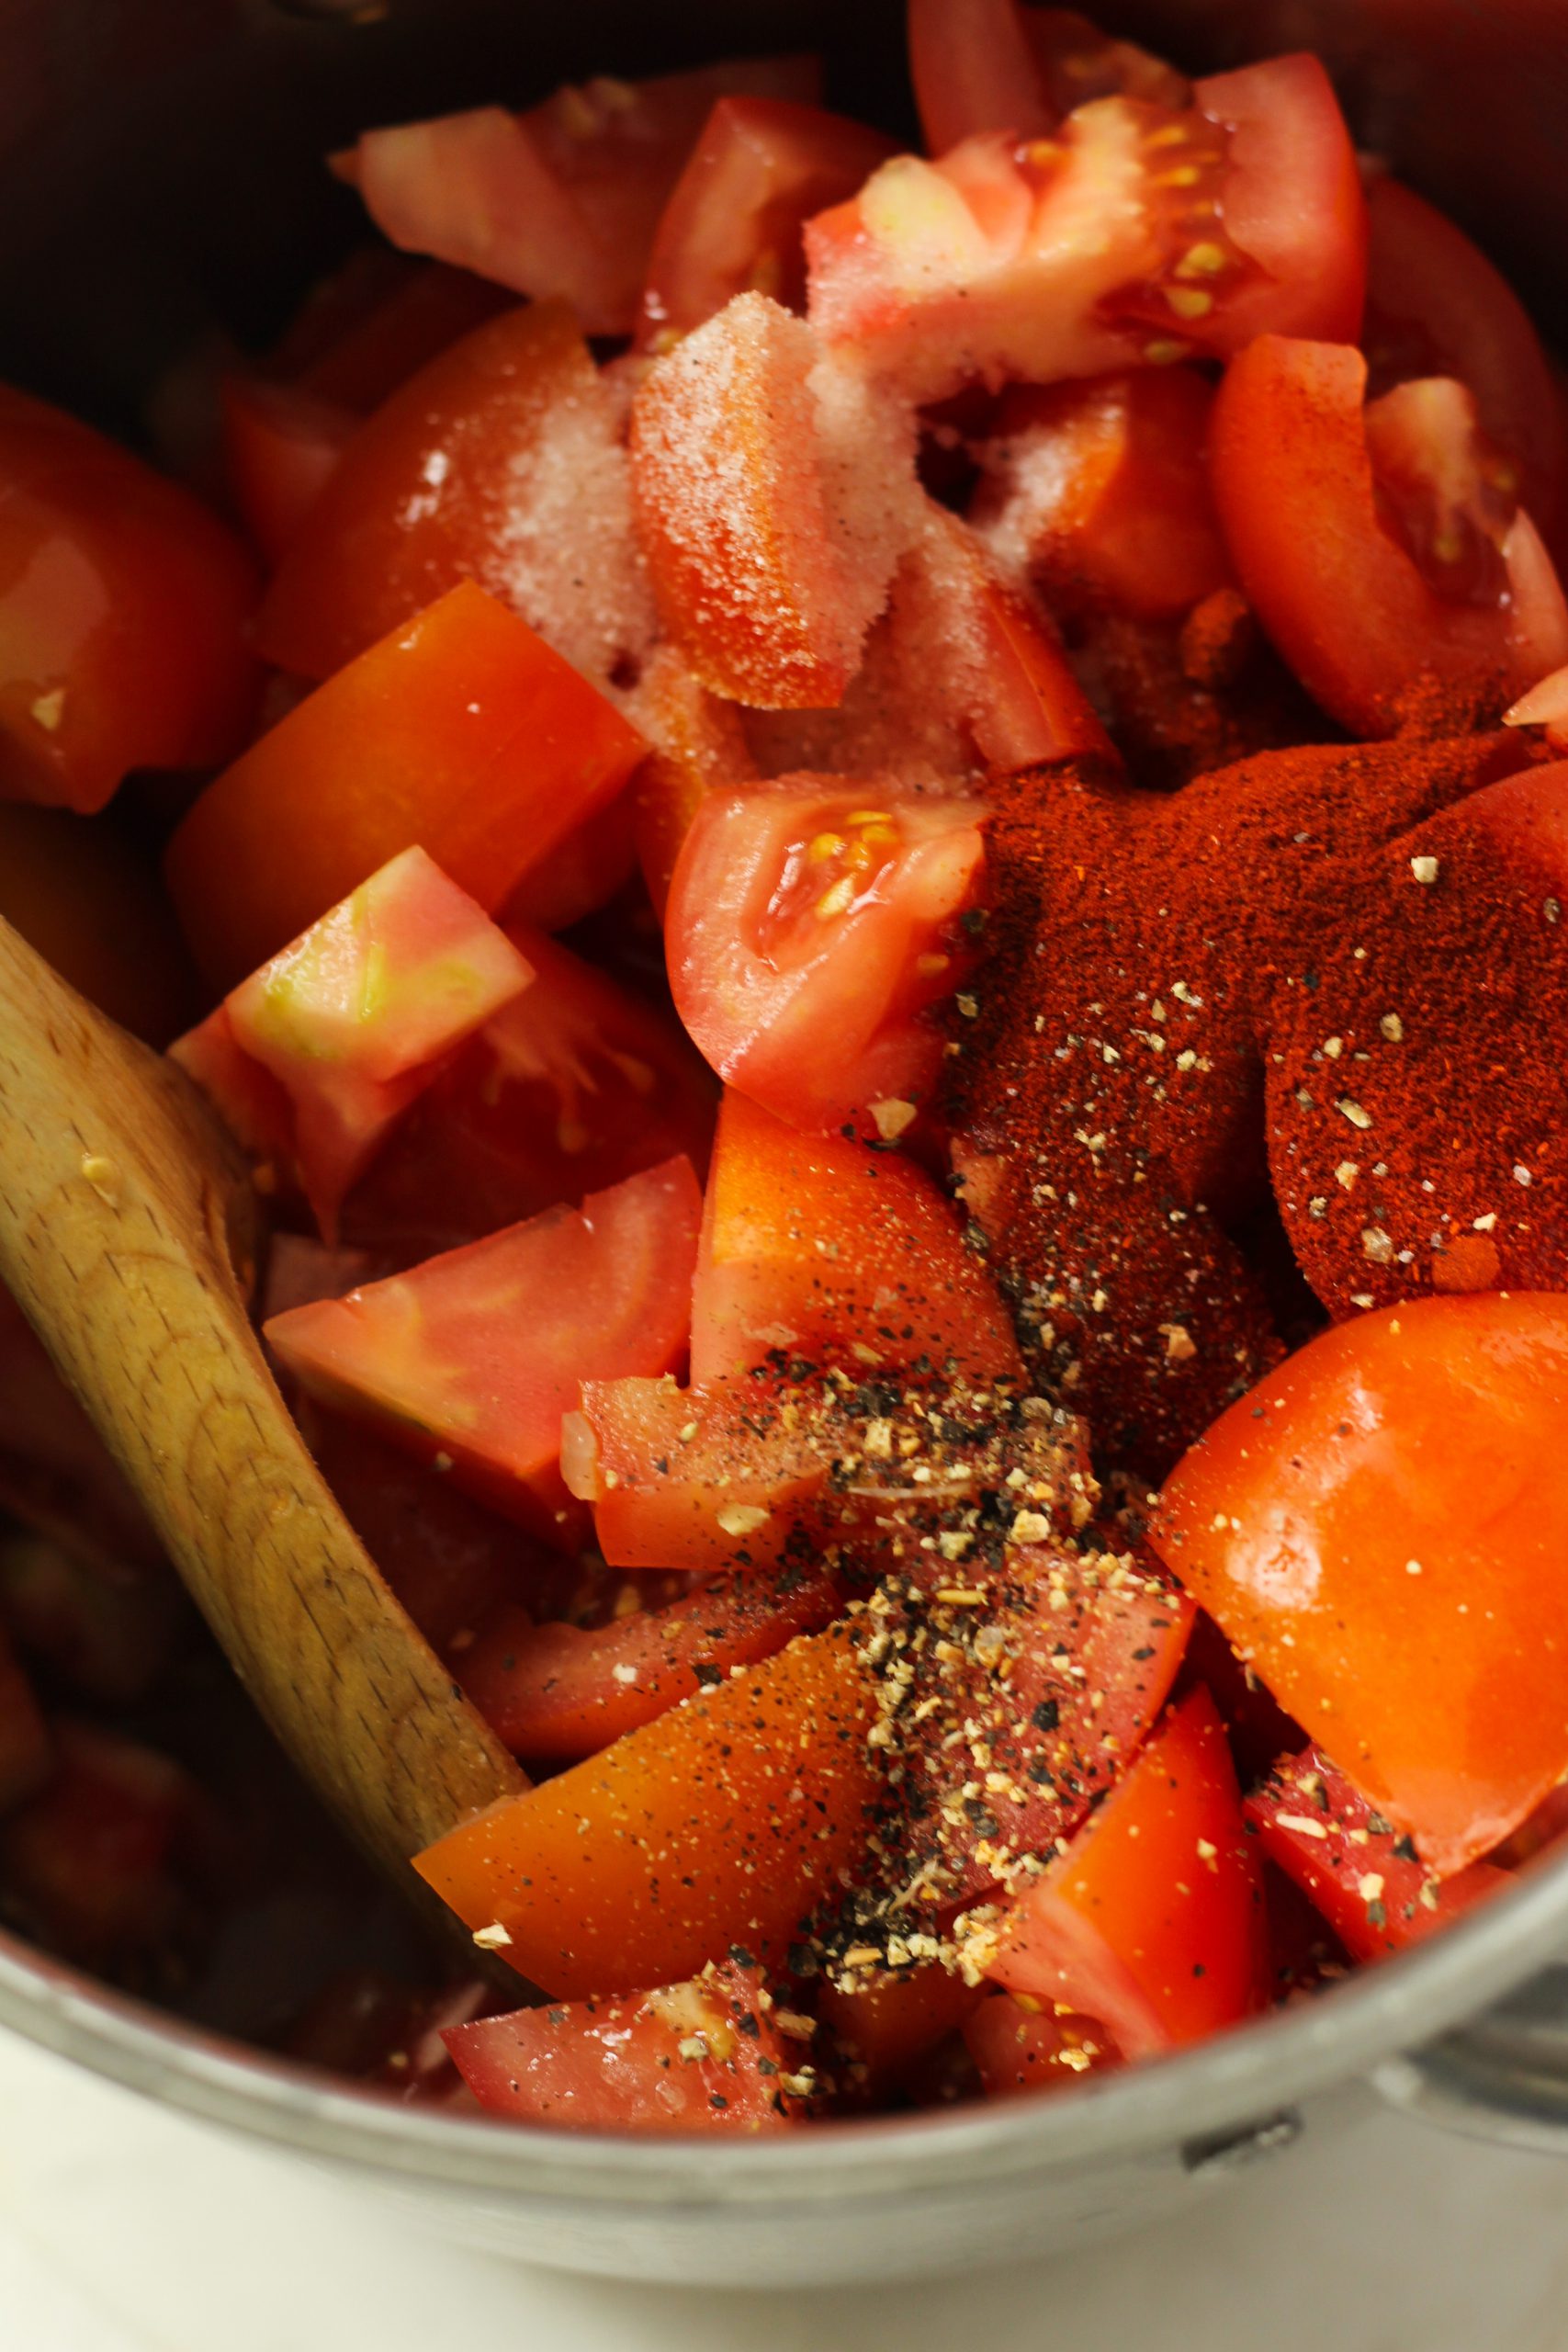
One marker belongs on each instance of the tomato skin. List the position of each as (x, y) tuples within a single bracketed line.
[(580, 875), (281, 447), (558, 1692), (1366, 1881), (576, 1085), (733, 222), (124, 609), (441, 1361), (1416, 1433), (1435, 306), (462, 732), (1152, 1922), (630, 2065), (725, 1821), (1544, 705), (814, 907), (367, 328), (499, 462), (1343, 601), (821, 1249), (1022, 2045)]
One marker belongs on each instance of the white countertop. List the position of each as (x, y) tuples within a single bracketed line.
[(124, 2228)]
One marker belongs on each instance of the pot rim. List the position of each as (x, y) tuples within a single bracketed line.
[(1217, 2088)]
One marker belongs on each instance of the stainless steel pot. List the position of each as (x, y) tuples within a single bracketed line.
[(159, 161)]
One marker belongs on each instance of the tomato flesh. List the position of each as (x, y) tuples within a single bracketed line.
[(724, 1823), (891, 2018), (281, 447), (1136, 235), (351, 1019), (801, 912), (993, 65), (1364, 1877), (698, 744), (461, 731), (123, 614), (475, 1355), (1412, 1435), (1152, 1922), (1021, 2045), (699, 2056)]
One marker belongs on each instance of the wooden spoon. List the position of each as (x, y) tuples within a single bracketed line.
[(126, 1232)]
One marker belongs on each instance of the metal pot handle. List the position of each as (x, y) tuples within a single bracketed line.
[(1501, 2078)]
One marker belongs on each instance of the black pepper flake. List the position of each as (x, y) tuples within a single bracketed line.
[(1047, 1715)]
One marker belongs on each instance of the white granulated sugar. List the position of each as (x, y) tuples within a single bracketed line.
[(865, 455), (1028, 478)]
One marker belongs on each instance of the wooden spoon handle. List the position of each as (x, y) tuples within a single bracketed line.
[(119, 1210)]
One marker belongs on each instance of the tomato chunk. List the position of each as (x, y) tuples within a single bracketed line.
[(477, 1355), (124, 616), (351, 1019), (733, 224), (1343, 597), (1137, 234), (891, 2018), (1020, 2043), (365, 328), (774, 496), (91, 1863), (1373, 1529), (699, 744), (281, 447), (90, 900), (725, 1821), (993, 65), (560, 1691), (817, 1250), (811, 909), (563, 199), (1363, 1875), (1152, 1922), (461, 731), (699, 2056), (1544, 705), (576, 1085), (501, 462)]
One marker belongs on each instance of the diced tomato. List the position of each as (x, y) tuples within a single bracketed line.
[(1539, 1829), (1152, 1922), (300, 1269), (374, 321), (27, 1757), (1363, 1875), (124, 616), (353, 1018), (556, 1692), (1323, 566), (476, 1355), (1020, 2043), (725, 1822), (461, 731), (1078, 62), (817, 1250), (812, 924), (1372, 1529), (699, 745), (993, 65), (1435, 306), (500, 462), (281, 447), (1137, 234), (564, 200), (90, 901), (891, 2018), (575, 1086), (90, 1864), (1101, 488), (699, 2056), (580, 875), (1545, 706), (762, 167), (1256, 1725), (773, 497)]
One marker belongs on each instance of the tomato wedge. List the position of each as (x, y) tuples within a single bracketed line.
[(461, 731), (1020, 2043), (556, 1692), (1152, 1922), (699, 2056), (367, 327), (1342, 596), (281, 447), (500, 462), (888, 2020), (1364, 1877), (1545, 706), (811, 909), (992, 65), (733, 224), (818, 1250), (576, 1085), (699, 743), (1374, 1528), (352, 1021), (124, 616), (562, 200), (1138, 234), (772, 499), (476, 1355), (725, 1822)]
